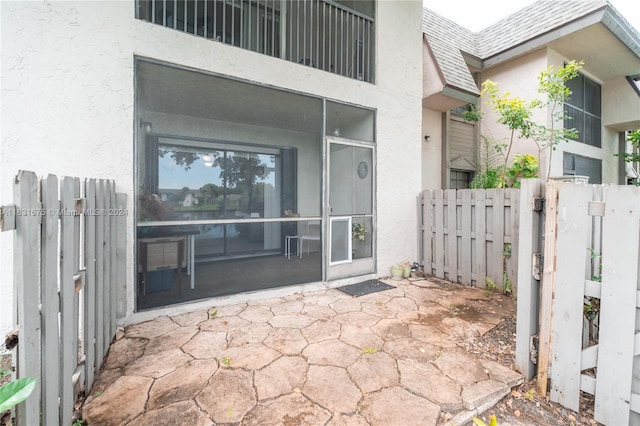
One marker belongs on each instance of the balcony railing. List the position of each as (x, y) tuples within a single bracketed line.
[(319, 33)]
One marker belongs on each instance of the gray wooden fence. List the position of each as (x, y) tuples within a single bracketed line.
[(469, 235), (604, 220), (69, 267)]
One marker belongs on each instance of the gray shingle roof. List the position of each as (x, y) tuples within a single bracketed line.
[(448, 40), (531, 21)]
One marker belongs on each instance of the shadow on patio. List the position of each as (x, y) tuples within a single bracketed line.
[(389, 358)]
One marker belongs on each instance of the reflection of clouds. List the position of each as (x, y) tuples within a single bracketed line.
[(202, 171)]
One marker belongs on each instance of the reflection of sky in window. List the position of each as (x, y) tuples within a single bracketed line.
[(173, 176)]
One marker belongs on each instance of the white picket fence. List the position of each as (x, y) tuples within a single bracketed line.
[(605, 220), (469, 235), (69, 270)]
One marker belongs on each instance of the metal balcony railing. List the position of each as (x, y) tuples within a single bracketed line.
[(319, 33)]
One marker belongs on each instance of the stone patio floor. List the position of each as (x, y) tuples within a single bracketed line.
[(318, 358)]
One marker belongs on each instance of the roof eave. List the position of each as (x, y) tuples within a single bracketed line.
[(543, 39)]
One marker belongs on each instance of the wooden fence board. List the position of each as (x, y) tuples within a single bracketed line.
[(513, 231), (548, 285), (451, 236), (572, 229), (26, 289), (427, 245), (69, 191), (106, 295), (528, 286), (111, 215), (497, 245), (480, 240), (100, 339), (621, 230), (90, 282), (50, 300), (465, 238), (439, 246), (121, 256)]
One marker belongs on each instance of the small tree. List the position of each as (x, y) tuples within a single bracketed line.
[(517, 113), (632, 157)]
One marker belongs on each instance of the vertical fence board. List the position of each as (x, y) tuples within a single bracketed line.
[(621, 231), (451, 259), (481, 237), (113, 288), (90, 282), (498, 218), (427, 247), (548, 285), (527, 287), (513, 231), (69, 191), (50, 301), (99, 313), (106, 295), (26, 289), (121, 255), (572, 230), (439, 231), (465, 240)]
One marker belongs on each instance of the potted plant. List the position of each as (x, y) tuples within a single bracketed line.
[(358, 231)]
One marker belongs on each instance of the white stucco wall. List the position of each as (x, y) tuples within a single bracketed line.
[(432, 149), (68, 104)]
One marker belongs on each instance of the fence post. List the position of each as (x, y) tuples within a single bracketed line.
[(548, 285), (27, 291), (527, 285)]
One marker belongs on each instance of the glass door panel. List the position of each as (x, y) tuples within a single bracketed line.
[(351, 218)]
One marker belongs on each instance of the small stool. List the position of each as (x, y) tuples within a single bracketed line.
[(287, 245)]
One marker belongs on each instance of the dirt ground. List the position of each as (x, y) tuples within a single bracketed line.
[(523, 405), (5, 367)]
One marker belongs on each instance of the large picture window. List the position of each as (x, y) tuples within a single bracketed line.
[(583, 110)]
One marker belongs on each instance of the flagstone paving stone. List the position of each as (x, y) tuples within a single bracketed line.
[(180, 413), (183, 384), (323, 358), (287, 341), (228, 396), (331, 352), (292, 409), (281, 377), (396, 406), (374, 371), (332, 389), (427, 381), (171, 340)]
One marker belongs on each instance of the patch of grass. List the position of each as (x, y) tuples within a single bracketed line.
[(226, 361), (369, 351), (213, 314)]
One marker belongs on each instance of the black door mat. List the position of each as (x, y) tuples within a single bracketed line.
[(365, 287)]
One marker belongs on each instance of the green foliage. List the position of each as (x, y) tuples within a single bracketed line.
[(517, 114), (489, 167), (490, 286), (524, 166), (632, 157), (358, 231), (15, 392), (493, 421)]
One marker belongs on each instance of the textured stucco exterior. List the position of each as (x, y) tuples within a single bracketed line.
[(68, 104)]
